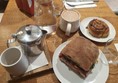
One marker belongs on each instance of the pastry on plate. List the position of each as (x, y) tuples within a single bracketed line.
[(98, 28), (80, 55)]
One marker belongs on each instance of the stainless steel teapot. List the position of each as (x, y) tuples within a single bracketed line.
[(30, 38)]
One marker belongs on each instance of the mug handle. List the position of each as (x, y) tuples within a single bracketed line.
[(68, 29)]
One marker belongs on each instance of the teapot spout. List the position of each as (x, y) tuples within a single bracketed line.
[(50, 29), (44, 32)]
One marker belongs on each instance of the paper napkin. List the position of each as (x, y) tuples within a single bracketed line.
[(37, 61), (116, 45), (1, 15), (80, 5)]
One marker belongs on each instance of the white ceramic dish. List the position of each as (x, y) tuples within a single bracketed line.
[(85, 32), (65, 75)]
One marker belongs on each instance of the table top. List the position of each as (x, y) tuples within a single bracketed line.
[(13, 19)]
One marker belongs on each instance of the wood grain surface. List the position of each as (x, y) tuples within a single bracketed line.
[(13, 19)]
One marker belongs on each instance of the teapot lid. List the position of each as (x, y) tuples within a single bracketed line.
[(29, 33)]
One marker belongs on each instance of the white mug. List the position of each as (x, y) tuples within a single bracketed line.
[(69, 21), (14, 61)]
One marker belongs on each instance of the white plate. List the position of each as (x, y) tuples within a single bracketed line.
[(65, 75), (84, 23)]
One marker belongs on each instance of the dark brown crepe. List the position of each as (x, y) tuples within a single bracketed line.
[(79, 55)]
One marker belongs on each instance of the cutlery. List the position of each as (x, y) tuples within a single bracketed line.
[(73, 5), (79, 3)]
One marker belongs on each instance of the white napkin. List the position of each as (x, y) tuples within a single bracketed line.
[(116, 45), (1, 15), (79, 6), (113, 5), (37, 61)]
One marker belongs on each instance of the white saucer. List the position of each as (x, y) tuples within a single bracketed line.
[(84, 23)]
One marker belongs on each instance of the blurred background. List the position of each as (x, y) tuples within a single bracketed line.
[(3, 4)]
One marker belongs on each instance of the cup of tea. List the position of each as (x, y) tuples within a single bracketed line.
[(14, 61), (69, 21)]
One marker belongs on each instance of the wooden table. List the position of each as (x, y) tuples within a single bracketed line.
[(14, 18)]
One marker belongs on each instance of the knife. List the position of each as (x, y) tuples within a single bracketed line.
[(79, 3)]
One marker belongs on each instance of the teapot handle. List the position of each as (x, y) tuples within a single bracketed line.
[(11, 42)]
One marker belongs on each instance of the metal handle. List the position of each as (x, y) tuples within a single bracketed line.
[(9, 41), (13, 40)]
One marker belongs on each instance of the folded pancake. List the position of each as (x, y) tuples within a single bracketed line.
[(80, 55)]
